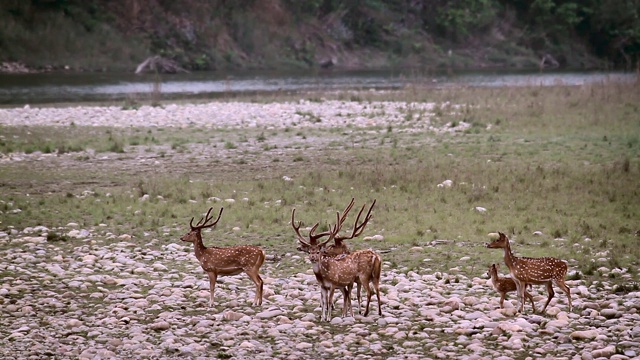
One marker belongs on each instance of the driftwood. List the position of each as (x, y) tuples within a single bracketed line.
[(159, 64), (548, 61), (329, 63)]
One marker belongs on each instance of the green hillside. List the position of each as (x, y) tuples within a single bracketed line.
[(101, 35)]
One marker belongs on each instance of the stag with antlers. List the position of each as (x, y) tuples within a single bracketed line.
[(524, 270), (362, 267), (339, 248), (224, 261)]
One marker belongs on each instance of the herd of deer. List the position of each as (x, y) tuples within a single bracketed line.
[(336, 267)]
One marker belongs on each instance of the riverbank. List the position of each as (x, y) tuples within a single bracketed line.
[(132, 91), (95, 198), (102, 295)]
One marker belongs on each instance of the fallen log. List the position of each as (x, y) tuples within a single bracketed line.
[(160, 65)]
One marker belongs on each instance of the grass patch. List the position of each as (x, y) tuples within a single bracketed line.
[(560, 160)]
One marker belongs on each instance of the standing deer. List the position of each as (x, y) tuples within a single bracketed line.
[(224, 261), (369, 264), (338, 248), (524, 270), (341, 272), (504, 285)]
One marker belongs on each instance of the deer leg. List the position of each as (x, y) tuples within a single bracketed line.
[(350, 302), (359, 297), (345, 301), (327, 304), (551, 293), (503, 295), (369, 295), (376, 287), (378, 298), (562, 285), (212, 286), (321, 299), (520, 291), (324, 303), (255, 277), (528, 296), (346, 304), (331, 299)]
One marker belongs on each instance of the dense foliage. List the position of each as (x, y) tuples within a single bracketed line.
[(201, 34)]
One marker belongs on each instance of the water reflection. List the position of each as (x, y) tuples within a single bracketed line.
[(41, 88), (543, 79)]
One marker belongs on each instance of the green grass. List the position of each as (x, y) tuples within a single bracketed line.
[(564, 161)]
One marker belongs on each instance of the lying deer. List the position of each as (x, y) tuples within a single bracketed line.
[(362, 267), (503, 285), (223, 261), (524, 270)]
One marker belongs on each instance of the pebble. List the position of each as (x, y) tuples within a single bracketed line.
[(229, 115), (120, 311)]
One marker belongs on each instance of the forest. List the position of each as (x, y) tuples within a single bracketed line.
[(101, 35)]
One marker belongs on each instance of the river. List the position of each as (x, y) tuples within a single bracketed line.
[(21, 89)]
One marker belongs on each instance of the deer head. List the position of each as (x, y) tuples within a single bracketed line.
[(502, 242), (303, 244), (493, 269), (195, 234)]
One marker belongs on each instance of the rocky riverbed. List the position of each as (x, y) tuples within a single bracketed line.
[(99, 296), (93, 294), (304, 113)]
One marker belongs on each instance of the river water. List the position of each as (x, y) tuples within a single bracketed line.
[(19, 89)]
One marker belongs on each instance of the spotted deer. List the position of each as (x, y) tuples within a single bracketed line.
[(536, 271), (224, 261), (504, 285), (362, 267), (339, 248)]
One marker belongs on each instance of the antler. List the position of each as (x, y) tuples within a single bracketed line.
[(333, 230), (357, 229), (202, 224), (313, 238), (346, 212), (297, 228), (338, 226)]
